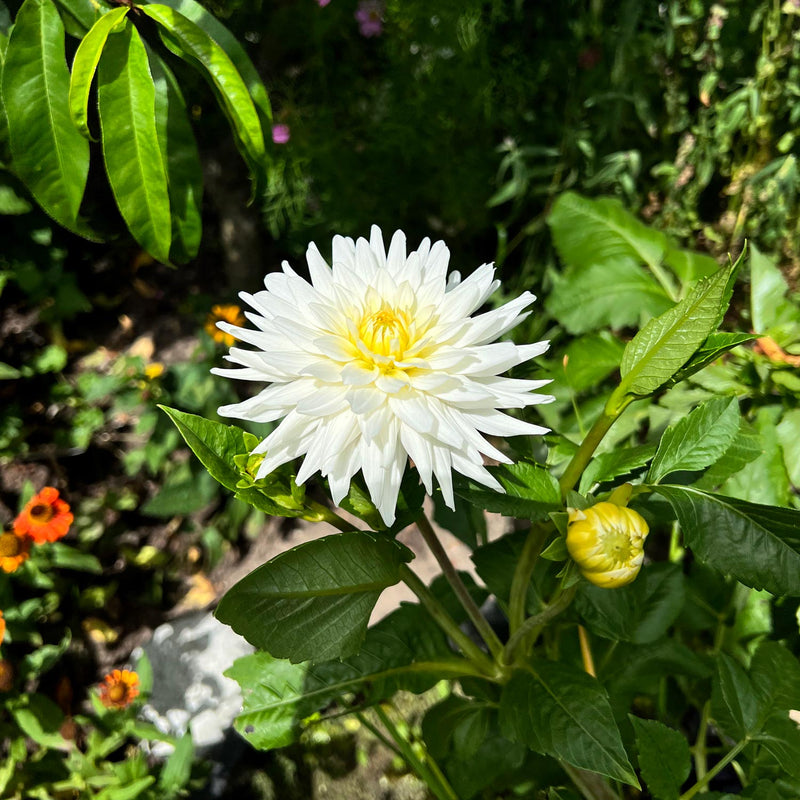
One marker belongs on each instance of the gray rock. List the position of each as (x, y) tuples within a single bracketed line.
[(188, 657)]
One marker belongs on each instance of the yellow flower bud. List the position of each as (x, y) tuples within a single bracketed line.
[(606, 541)]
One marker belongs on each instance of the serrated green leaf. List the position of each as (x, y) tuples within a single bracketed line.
[(312, 603), (640, 612), (716, 345), (531, 491), (664, 757), (769, 306), (563, 712), (134, 165), (611, 294), (405, 650), (756, 544), (607, 466), (601, 231), (690, 266), (203, 51), (48, 153), (182, 160), (781, 738), (456, 725), (667, 342), (697, 440), (746, 447), (84, 66)]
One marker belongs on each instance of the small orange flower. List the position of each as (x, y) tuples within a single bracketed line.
[(14, 549), (223, 313), (2, 628), (119, 688), (45, 518)]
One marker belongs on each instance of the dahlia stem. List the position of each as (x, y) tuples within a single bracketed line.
[(443, 619), (522, 575), (536, 623), (462, 593), (322, 513)]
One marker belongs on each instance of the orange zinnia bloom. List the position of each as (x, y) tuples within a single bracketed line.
[(45, 518), (119, 688), (224, 313), (14, 549)]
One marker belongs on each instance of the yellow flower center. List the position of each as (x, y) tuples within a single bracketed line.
[(617, 546), (385, 333), (41, 513), (117, 692), (9, 545)]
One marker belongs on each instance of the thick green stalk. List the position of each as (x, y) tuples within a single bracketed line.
[(715, 770), (535, 623), (425, 767), (470, 650), (462, 593), (522, 574), (322, 513), (579, 461)]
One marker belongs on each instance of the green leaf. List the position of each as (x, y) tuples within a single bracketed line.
[(405, 650), (455, 725), (213, 443), (696, 441), (230, 44), (667, 342), (182, 160), (717, 344), (613, 294), (781, 738), (640, 612), (48, 153), (79, 15), (312, 603), (40, 719), (601, 231), (689, 266), (591, 359), (63, 556), (563, 712), (756, 544), (788, 434), (608, 466), (182, 493), (664, 757), (769, 307), (215, 63), (135, 167), (531, 491), (746, 447), (84, 65), (178, 769)]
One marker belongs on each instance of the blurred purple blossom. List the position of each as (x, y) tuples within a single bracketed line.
[(369, 16), (322, 3), (281, 134)]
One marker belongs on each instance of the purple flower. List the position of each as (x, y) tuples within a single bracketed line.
[(322, 3), (281, 134), (369, 16)]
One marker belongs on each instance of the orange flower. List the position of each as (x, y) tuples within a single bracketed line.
[(119, 688), (14, 549), (45, 518), (2, 628), (225, 313)]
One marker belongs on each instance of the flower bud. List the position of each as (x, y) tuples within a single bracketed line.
[(606, 541)]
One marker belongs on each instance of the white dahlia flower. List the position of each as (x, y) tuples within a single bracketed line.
[(378, 359)]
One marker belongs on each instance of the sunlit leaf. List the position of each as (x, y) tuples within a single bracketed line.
[(135, 167)]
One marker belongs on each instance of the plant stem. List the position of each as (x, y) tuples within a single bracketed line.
[(579, 461), (461, 591), (324, 514), (586, 652), (470, 650), (522, 575), (425, 767), (715, 770), (536, 622)]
